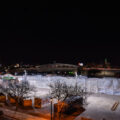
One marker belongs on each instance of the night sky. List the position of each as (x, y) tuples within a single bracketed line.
[(64, 35)]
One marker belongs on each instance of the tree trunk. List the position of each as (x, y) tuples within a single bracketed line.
[(16, 105)]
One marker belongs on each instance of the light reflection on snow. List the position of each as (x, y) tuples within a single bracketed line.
[(94, 85)]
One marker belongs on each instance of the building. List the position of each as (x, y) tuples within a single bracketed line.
[(55, 68)]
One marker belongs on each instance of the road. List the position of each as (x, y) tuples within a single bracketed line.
[(7, 118)]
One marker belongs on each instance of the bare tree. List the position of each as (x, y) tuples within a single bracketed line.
[(17, 91), (61, 91)]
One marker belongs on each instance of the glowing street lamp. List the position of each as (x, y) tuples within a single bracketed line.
[(80, 64)]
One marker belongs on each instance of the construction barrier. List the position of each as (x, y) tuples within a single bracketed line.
[(59, 107), (37, 103), (27, 103), (83, 118), (2, 98), (12, 101)]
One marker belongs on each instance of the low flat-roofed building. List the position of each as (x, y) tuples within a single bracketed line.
[(56, 68)]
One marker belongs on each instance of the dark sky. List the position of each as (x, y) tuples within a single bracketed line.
[(44, 35)]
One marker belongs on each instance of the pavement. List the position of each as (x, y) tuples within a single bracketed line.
[(19, 115), (7, 118)]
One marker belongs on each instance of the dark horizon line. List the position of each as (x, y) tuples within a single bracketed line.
[(38, 63)]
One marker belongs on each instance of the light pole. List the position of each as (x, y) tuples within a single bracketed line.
[(76, 81), (51, 101)]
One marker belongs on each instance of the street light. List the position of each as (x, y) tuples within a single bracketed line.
[(80, 64), (51, 101)]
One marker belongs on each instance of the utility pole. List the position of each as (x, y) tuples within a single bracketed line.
[(51, 102)]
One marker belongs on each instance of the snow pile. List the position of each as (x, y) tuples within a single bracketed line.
[(99, 107)]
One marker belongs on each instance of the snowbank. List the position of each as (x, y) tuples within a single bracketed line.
[(99, 107)]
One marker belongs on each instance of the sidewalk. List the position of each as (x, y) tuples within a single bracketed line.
[(20, 116)]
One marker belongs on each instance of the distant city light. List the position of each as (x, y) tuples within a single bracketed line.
[(17, 65), (80, 64)]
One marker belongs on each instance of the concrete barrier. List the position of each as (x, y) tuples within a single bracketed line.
[(27, 103), (12, 101), (2, 98), (37, 103)]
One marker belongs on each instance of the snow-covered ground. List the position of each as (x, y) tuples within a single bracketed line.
[(99, 107), (107, 92), (94, 85)]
